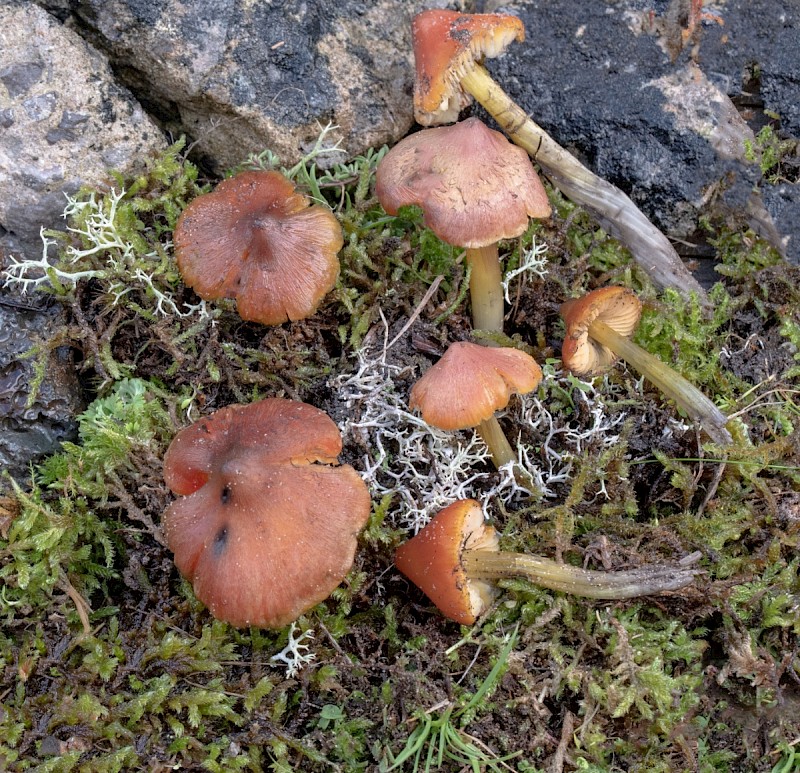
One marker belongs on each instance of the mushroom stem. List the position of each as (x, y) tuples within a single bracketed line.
[(496, 441), (502, 453), (687, 396), (616, 212), (486, 288), (492, 565)]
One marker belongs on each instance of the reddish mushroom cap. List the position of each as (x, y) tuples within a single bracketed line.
[(267, 525), (432, 561), (618, 307), (471, 382), (473, 185), (446, 45), (255, 239)]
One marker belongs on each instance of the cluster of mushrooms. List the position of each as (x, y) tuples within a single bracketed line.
[(245, 474)]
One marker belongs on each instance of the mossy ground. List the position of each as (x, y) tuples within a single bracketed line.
[(109, 662)]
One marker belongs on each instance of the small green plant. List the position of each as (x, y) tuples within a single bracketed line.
[(337, 177), (47, 544), (441, 736), (768, 150), (679, 329), (790, 330), (790, 758)]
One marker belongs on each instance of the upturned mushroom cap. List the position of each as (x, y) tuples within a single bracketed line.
[(267, 524), (446, 45), (473, 185), (618, 307), (470, 382), (255, 239), (432, 561)]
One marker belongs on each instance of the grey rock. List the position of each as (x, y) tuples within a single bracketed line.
[(594, 77), (18, 78), (762, 38), (63, 121), (29, 431), (41, 107), (240, 77), (648, 105), (783, 204), (68, 127)]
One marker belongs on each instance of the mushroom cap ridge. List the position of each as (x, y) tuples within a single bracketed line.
[(474, 186), (618, 307), (263, 532), (255, 239)]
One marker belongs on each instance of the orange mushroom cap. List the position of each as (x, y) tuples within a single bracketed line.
[(255, 239), (267, 525), (470, 382), (473, 185), (618, 307), (446, 45), (432, 561)]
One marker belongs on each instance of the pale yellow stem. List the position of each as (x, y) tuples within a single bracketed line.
[(496, 441), (493, 565), (687, 396), (486, 288)]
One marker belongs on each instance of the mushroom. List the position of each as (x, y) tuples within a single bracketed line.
[(468, 384), (267, 523), (599, 327), (449, 48), (475, 189), (456, 558), (256, 239)]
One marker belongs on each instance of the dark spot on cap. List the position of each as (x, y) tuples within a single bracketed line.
[(225, 497), (220, 541)]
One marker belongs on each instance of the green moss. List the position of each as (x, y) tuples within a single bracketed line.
[(49, 542), (767, 150), (109, 662), (439, 736), (678, 331)]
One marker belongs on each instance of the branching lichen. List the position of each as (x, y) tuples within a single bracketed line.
[(295, 655)]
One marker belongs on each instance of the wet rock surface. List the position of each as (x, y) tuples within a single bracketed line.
[(782, 201), (65, 121), (31, 427), (755, 58), (646, 101)]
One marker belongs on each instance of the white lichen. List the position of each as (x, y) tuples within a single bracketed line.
[(533, 262), (295, 655), (307, 171), (100, 251), (425, 469), (560, 440), (29, 274)]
